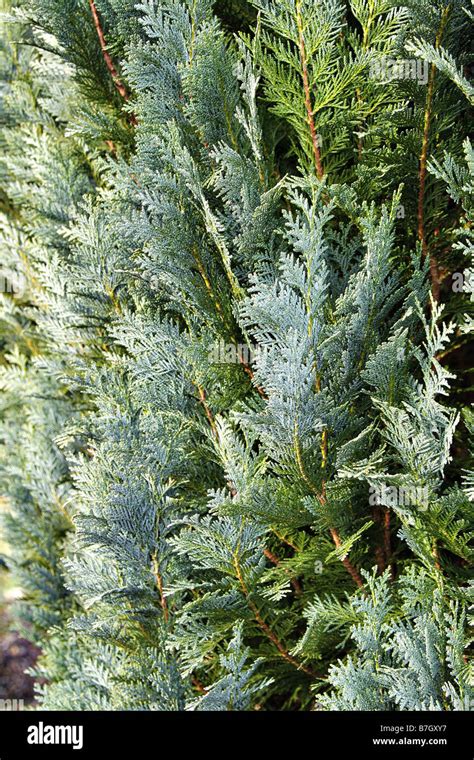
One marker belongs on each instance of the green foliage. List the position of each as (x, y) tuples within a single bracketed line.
[(409, 655), (222, 382)]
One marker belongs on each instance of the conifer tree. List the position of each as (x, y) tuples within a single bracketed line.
[(227, 427)]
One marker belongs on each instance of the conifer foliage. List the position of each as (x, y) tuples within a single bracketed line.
[(236, 453)]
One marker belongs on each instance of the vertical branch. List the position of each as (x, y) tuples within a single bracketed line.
[(307, 94), (380, 553), (209, 415), (159, 583), (207, 283), (383, 552), (119, 85), (321, 496), (388, 542), (248, 371), (353, 572), (266, 628), (107, 58), (434, 273), (268, 554)]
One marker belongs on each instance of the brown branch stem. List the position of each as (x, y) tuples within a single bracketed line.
[(321, 496), (275, 561), (159, 583), (286, 541), (198, 685), (119, 85), (388, 542), (434, 274), (307, 94), (209, 415), (267, 630), (346, 561), (250, 373)]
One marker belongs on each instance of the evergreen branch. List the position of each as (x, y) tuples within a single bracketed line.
[(119, 85), (435, 283), (198, 685), (286, 541), (353, 572), (205, 278), (107, 57), (275, 561), (248, 371), (380, 554), (387, 543), (112, 449), (321, 496), (307, 94), (159, 583), (207, 283), (209, 415), (266, 628)]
